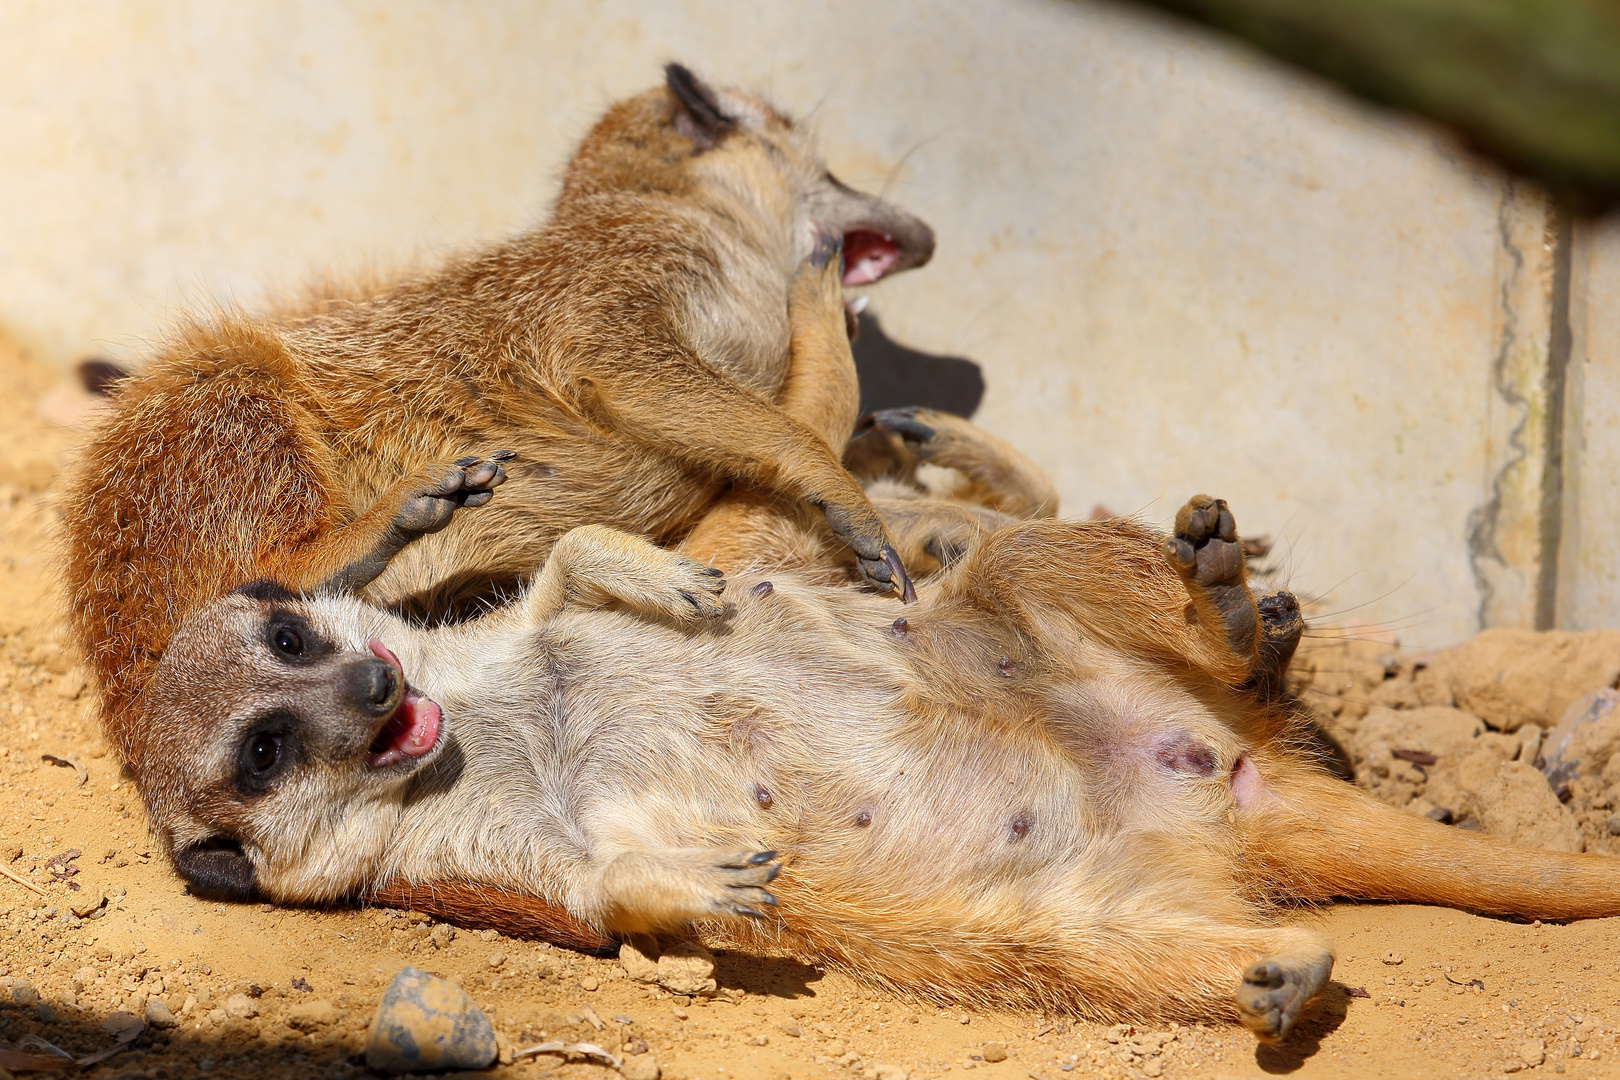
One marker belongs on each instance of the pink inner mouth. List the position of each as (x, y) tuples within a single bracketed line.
[(412, 729), (868, 256)]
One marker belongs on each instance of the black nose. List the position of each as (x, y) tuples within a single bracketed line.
[(374, 686)]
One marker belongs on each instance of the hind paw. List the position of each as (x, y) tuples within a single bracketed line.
[(1205, 547), (1275, 991), (1208, 555)]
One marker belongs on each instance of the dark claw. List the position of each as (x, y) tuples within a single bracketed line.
[(902, 582), (503, 455), (761, 857), (714, 572), (749, 912), (689, 598), (467, 462), (477, 499), (904, 423), (769, 898)]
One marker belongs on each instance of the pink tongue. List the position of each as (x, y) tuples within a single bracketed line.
[(414, 728), (868, 256)]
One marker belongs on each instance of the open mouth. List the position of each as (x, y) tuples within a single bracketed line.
[(412, 729), (868, 256)]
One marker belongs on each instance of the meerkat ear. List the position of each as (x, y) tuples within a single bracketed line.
[(216, 869), (698, 115)]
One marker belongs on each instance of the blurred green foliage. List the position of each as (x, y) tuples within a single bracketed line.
[(1534, 83)]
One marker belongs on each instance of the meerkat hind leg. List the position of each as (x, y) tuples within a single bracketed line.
[(644, 892), (1208, 555)]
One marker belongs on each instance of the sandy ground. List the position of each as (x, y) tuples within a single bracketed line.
[(1418, 991)]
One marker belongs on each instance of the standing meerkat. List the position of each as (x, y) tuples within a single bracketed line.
[(1064, 780), (632, 352)]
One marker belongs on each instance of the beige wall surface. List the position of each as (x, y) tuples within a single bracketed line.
[(1181, 267)]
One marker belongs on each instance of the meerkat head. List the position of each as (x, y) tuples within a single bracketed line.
[(282, 743), (690, 135)]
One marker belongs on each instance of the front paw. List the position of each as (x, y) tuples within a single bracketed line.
[(691, 591), (467, 482), (879, 563)]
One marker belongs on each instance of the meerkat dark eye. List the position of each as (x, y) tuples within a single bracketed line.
[(288, 642), (263, 751), (293, 640), (266, 752)]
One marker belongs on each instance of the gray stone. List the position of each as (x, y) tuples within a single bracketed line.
[(158, 1014), (425, 1023), (23, 992)]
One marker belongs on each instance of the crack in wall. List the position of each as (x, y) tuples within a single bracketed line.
[(1560, 346), (1483, 519)]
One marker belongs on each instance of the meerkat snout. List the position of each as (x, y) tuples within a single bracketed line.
[(373, 686)]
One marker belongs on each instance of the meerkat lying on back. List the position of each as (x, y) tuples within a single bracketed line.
[(1064, 779), (635, 351)]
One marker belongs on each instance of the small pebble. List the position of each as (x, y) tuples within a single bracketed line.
[(1614, 825), (994, 1051), (640, 1067), (496, 959), (790, 1028), (442, 935), (424, 1023), (23, 993), (590, 983), (241, 1007), (158, 1014), (1393, 959), (687, 968), (309, 1015), (87, 902)]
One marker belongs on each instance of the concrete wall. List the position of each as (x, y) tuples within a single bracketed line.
[(1181, 267)]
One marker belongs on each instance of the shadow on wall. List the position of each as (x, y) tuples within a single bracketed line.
[(892, 375)]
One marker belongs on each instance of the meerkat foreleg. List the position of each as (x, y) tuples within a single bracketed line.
[(593, 565), (424, 502), (651, 891), (894, 442)]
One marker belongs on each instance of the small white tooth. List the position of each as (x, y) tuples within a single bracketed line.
[(858, 304)]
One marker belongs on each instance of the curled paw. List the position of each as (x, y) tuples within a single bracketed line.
[(1275, 991), (909, 422), (879, 563), (1205, 547), (741, 880), (694, 591), (468, 482)]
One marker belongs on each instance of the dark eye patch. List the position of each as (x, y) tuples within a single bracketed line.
[(292, 639), (267, 750)]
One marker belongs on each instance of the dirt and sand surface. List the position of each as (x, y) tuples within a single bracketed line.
[(259, 992)]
